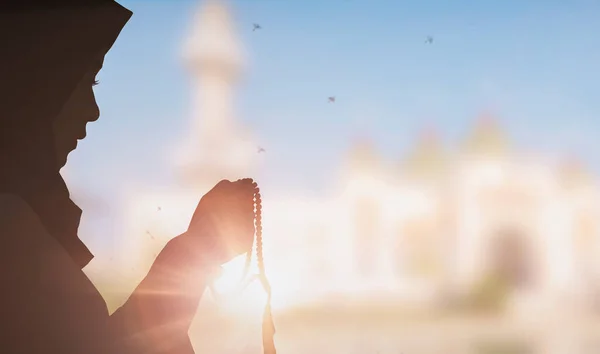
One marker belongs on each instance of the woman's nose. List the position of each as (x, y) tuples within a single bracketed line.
[(94, 112)]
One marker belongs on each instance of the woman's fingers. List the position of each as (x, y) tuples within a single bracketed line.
[(226, 215), (243, 212), (245, 200)]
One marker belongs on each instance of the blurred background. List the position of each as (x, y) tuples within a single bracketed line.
[(428, 168)]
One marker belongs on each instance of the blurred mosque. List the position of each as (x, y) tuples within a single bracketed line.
[(436, 223)]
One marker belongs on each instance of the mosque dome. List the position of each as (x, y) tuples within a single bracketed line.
[(487, 137), (428, 158)]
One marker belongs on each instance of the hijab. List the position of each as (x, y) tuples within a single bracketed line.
[(46, 50)]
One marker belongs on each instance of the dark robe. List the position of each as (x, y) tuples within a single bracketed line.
[(48, 305)]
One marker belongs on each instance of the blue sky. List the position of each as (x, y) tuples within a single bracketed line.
[(534, 63)]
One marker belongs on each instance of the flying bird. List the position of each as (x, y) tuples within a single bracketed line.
[(429, 40), (159, 209), (256, 26), (261, 150), (331, 99), (151, 236)]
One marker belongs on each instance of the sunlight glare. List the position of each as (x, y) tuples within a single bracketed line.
[(232, 296)]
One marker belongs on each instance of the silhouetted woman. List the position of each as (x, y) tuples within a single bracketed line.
[(50, 57)]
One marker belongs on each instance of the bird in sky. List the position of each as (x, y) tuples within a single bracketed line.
[(261, 149), (159, 209), (256, 26), (429, 40), (331, 99), (151, 236)]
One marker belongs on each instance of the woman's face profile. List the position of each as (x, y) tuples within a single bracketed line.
[(81, 108)]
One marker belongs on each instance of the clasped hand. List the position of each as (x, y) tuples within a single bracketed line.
[(222, 226)]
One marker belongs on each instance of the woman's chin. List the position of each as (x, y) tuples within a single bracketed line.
[(63, 158), (62, 161), (63, 151)]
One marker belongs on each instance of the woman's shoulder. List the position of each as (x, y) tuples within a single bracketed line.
[(24, 237), (18, 221), (14, 209), (11, 202)]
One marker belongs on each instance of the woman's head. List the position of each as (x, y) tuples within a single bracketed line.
[(47, 54), (48, 64), (80, 109)]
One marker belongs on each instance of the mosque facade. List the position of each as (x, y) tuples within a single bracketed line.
[(440, 222)]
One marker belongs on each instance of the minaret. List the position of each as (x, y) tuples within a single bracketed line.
[(217, 145)]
